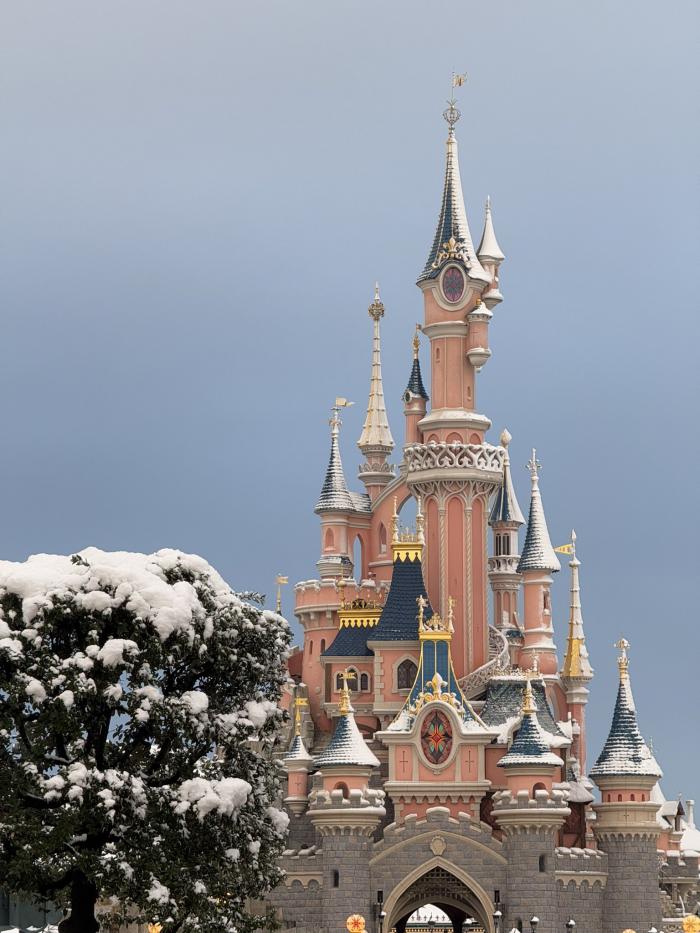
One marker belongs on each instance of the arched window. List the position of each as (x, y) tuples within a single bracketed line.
[(311, 648), (454, 438), (547, 603), (329, 540), (323, 645), (406, 674), (538, 786), (619, 798), (474, 439), (364, 682), (632, 797), (344, 787), (382, 539)]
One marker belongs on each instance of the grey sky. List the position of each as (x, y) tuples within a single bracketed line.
[(195, 201)]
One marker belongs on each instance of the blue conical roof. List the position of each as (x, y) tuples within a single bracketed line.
[(415, 381), (346, 747), (538, 553), (625, 752)]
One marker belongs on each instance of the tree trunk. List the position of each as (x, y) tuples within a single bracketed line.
[(83, 896)]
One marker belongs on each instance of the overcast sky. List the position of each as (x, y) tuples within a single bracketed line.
[(195, 201)]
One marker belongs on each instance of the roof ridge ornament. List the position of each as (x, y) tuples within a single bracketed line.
[(623, 662)]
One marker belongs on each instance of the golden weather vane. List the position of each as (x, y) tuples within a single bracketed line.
[(280, 581)]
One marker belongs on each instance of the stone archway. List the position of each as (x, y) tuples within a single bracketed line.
[(445, 885)]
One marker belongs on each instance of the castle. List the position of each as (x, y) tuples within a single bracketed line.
[(436, 755)]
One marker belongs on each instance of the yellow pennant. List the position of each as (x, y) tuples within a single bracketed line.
[(565, 549), (459, 80)]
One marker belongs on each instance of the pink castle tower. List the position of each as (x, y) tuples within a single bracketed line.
[(437, 752)]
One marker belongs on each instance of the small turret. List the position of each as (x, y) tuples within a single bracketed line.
[(335, 505), (297, 763), (490, 256), (537, 562), (530, 756), (576, 671), (626, 825), (415, 397), (505, 521), (376, 442)]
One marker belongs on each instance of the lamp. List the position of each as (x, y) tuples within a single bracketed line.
[(497, 917), (533, 924), (570, 924), (382, 918)]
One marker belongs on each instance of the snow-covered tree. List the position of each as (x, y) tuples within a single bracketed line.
[(138, 701)]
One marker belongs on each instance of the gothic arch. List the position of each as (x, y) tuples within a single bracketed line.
[(395, 909)]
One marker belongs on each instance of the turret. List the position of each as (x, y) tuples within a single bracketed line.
[(376, 442), (537, 562), (297, 764), (346, 812), (626, 827), (505, 521), (415, 397), (576, 672), (490, 256), (530, 814), (335, 506)]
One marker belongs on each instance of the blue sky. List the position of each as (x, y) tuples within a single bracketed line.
[(196, 199)]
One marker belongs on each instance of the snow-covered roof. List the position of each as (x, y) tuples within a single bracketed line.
[(297, 750), (489, 248), (346, 747), (538, 553), (505, 506), (415, 381), (530, 745), (335, 495), (625, 752)]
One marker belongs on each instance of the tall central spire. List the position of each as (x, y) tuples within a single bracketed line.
[(452, 238), (576, 662), (376, 442)]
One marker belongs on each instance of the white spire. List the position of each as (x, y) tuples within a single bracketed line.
[(489, 248), (376, 432), (538, 553)]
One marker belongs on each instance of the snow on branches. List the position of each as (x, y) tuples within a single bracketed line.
[(138, 706)]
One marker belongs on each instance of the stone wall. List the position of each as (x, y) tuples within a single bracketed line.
[(632, 896)]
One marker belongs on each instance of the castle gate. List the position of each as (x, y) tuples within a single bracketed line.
[(440, 887)]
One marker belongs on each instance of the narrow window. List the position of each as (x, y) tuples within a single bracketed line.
[(382, 539), (364, 682), (506, 544), (632, 797), (336, 878), (311, 648), (323, 645), (619, 798), (406, 675), (543, 863)]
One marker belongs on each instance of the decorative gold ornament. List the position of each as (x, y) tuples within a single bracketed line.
[(299, 704), (154, 928), (691, 924), (355, 923), (451, 249)]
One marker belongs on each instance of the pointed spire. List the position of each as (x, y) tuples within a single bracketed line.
[(489, 248), (415, 385), (297, 750), (576, 662), (452, 223), (376, 432), (346, 747), (530, 746), (538, 553), (505, 506), (335, 495), (625, 752)]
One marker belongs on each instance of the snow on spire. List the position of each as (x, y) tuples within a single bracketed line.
[(625, 752), (538, 553), (335, 495), (346, 747), (415, 385), (530, 745), (489, 248), (452, 222), (505, 506), (376, 433), (576, 662)]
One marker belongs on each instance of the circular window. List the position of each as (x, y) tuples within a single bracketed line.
[(453, 284)]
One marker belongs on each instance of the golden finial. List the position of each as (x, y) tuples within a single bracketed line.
[(416, 342), (280, 581), (345, 706), (154, 928), (623, 662), (340, 586), (529, 705), (376, 309), (299, 704)]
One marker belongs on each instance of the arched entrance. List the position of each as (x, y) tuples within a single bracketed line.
[(441, 886)]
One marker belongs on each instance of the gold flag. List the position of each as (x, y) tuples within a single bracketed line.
[(343, 403), (565, 549), (459, 80), (281, 580)]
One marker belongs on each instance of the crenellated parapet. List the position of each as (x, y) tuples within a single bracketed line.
[(523, 812), (427, 462)]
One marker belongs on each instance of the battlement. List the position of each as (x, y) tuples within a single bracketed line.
[(320, 799), (326, 595), (437, 818), (522, 800)]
